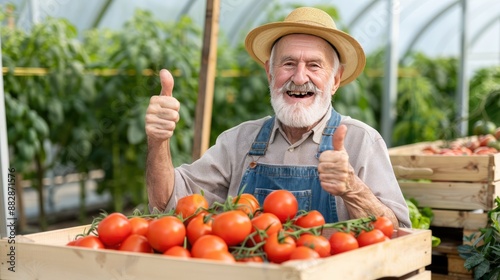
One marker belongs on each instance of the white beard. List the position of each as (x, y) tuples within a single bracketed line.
[(299, 115)]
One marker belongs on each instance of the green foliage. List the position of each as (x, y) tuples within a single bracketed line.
[(483, 254), (421, 218), (118, 121), (484, 97)]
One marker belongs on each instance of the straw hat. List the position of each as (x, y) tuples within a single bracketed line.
[(312, 21)]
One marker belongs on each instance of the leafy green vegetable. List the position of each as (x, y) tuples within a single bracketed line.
[(421, 218), (482, 254)]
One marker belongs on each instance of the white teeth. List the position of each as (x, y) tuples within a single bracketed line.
[(297, 92)]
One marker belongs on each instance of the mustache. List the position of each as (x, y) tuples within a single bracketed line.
[(307, 87)]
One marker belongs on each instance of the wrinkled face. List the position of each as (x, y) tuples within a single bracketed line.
[(302, 79)]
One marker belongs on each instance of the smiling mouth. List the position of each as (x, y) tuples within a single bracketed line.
[(300, 94)]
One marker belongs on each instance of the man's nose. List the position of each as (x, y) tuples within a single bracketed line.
[(300, 76)]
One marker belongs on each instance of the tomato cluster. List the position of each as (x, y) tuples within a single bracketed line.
[(238, 230)]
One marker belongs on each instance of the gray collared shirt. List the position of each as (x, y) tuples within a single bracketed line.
[(220, 170)]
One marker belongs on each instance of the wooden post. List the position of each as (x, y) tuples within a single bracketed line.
[(203, 116)]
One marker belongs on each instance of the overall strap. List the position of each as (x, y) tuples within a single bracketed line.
[(259, 145), (327, 136)]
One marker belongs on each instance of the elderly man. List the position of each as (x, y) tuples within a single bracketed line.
[(331, 163)]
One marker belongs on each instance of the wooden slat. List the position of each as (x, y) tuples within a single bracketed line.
[(452, 195), (459, 219), (436, 276), (448, 168), (456, 265)]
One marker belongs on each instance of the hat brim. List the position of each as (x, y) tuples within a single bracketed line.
[(260, 40)]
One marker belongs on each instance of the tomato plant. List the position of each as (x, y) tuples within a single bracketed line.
[(304, 253), (178, 251), (385, 225), (89, 241), (189, 205), (113, 229), (136, 243), (207, 243), (166, 232), (342, 242), (373, 236), (265, 224), (200, 225), (311, 219), (281, 203), (279, 246), (139, 225), (318, 243), (232, 226)]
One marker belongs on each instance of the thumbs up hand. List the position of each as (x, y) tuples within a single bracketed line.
[(335, 172), (162, 113)]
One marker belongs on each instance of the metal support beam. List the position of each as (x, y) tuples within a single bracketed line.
[(391, 72), (463, 82), (6, 217)]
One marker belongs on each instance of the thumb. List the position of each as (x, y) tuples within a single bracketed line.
[(338, 138), (167, 82)]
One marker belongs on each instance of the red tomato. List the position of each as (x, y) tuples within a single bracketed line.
[(313, 218), (247, 203), (251, 259), (197, 227), (232, 226), (166, 232), (266, 224), (318, 243), (373, 236), (71, 243), (304, 253), (279, 247), (189, 205), (139, 225), (136, 243), (281, 203), (385, 225), (342, 242), (90, 241), (178, 251), (113, 229), (223, 256), (208, 243)]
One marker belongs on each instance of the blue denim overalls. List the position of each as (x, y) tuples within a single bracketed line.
[(303, 181)]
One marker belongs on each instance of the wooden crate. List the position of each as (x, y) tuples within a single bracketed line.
[(458, 183), (44, 256), (459, 189), (409, 162)]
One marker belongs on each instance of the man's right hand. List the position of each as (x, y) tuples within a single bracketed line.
[(162, 113)]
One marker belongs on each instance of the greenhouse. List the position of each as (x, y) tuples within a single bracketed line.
[(97, 139)]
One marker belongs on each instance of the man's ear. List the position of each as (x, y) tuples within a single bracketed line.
[(268, 72), (338, 76)]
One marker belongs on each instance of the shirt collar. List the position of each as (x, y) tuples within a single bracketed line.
[(317, 130)]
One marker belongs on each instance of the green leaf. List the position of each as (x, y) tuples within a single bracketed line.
[(473, 261), (482, 269), (435, 241)]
